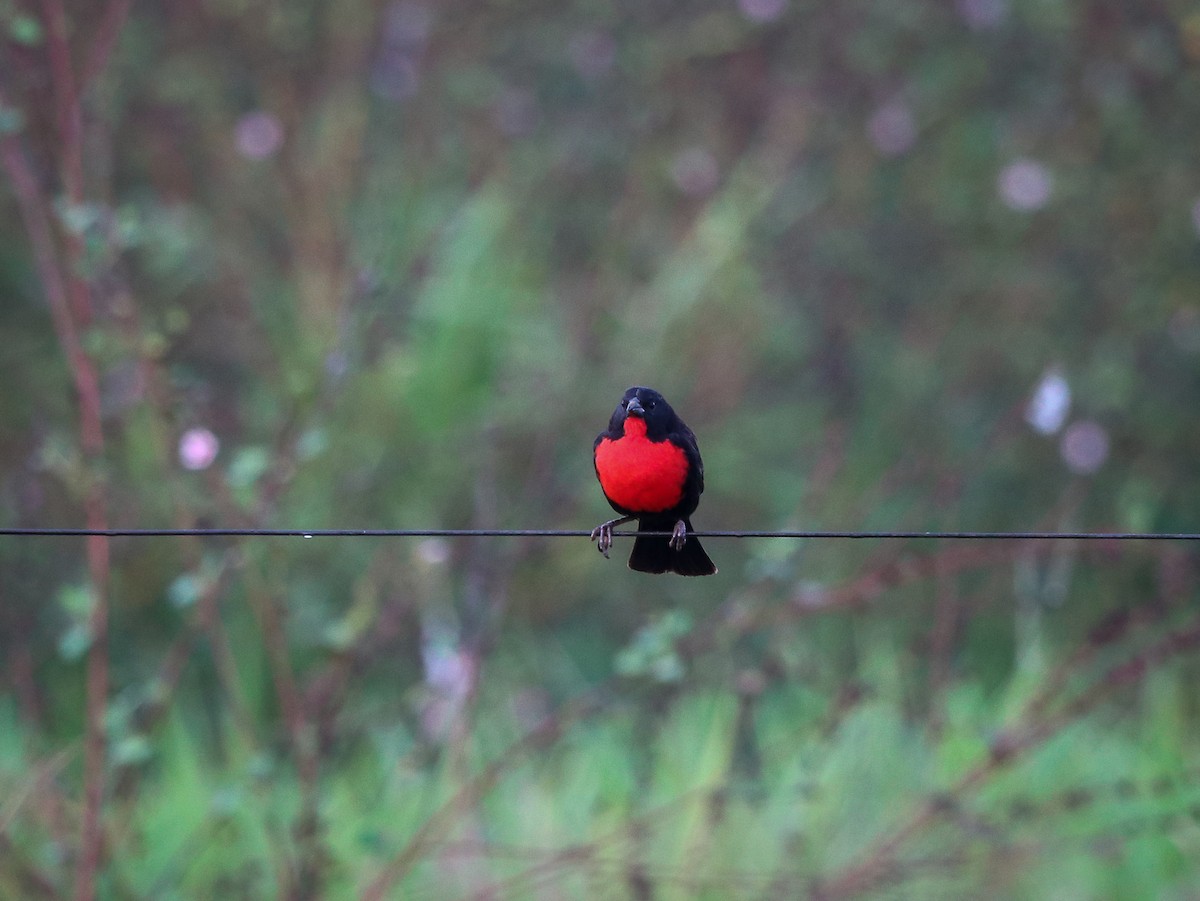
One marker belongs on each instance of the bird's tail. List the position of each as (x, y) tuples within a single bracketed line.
[(654, 554)]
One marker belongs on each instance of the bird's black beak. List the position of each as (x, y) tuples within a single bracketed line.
[(634, 408)]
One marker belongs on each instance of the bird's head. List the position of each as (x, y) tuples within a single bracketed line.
[(650, 408)]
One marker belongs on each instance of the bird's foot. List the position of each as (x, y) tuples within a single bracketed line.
[(678, 536), (603, 534)]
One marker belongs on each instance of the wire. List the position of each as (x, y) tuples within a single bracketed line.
[(582, 533)]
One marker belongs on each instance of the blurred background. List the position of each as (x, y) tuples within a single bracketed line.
[(911, 266)]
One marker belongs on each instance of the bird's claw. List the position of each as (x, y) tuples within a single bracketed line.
[(602, 535), (678, 536)]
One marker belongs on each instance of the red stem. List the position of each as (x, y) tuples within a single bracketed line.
[(70, 121), (33, 207), (70, 133), (70, 300)]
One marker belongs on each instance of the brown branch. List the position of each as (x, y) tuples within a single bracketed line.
[(70, 123), (34, 208), (70, 133), (69, 298), (95, 747), (66, 95)]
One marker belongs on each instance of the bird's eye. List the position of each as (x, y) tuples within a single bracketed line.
[(649, 405)]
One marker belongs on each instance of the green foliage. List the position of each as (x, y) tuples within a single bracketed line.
[(391, 265), (652, 652)]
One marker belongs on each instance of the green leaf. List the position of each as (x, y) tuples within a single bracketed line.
[(25, 29), (185, 590), (247, 466), (652, 652), (11, 120), (74, 642)]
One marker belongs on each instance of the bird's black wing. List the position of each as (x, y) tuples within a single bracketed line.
[(596, 444), (683, 437)]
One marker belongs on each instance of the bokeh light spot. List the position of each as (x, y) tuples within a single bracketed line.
[(1051, 401), (198, 448), (258, 135), (1025, 185), (1084, 446), (396, 71), (433, 551)]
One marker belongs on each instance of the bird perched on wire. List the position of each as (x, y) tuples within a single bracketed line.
[(650, 470)]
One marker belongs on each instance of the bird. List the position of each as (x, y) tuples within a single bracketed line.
[(649, 468)]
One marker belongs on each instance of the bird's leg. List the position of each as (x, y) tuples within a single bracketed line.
[(678, 536), (602, 534)]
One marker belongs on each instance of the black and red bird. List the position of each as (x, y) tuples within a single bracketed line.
[(650, 470)]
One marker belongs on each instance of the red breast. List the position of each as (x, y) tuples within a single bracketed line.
[(641, 475)]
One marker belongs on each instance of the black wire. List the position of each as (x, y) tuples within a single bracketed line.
[(582, 533)]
